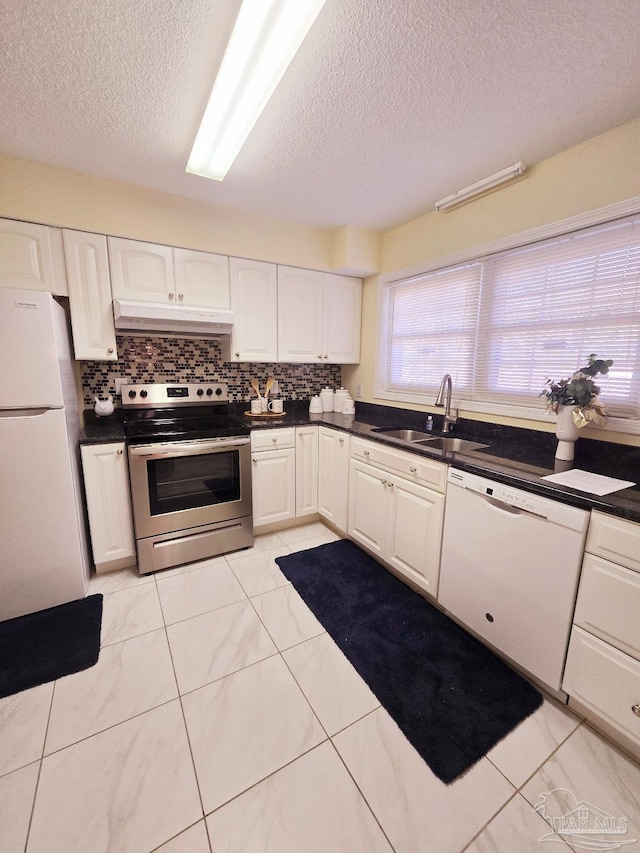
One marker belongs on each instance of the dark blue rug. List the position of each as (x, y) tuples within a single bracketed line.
[(451, 696), (46, 645)]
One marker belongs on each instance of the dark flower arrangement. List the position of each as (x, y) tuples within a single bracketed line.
[(579, 390)]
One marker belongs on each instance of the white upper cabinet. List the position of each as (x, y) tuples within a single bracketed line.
[(201, 278), (148, 272), (31, 257), (94, 337), (141, 271), (254, 300), (318, 317)]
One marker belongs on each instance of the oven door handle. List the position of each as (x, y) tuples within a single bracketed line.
[(185, 448)]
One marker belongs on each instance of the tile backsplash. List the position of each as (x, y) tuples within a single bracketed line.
[(157, 359)]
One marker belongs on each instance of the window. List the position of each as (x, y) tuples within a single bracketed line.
[(500, 325)]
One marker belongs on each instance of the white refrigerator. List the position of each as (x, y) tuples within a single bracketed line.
[(43, 543)]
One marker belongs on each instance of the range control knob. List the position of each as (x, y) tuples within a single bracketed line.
[(199, 392), (209, 392), (218, 392), (143, 393), (132, 393)]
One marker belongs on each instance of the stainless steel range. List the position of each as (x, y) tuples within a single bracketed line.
[(189, 465)]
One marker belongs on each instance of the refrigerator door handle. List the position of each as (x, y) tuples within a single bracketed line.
[(23, 413)]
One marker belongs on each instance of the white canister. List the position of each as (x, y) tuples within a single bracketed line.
[(349, 407), (315, 405), (327, 395), (338, 399)]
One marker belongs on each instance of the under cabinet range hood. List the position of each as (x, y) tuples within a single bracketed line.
[(150, 316)]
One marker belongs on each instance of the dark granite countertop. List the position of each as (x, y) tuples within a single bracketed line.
[(516, 456)]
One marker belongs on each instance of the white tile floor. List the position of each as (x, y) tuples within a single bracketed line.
[(221, 717)]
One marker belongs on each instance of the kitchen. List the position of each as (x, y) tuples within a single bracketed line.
[(592, 174)]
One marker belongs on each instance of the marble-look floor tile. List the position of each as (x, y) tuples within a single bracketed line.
[(189, 567), (127, 789), (336, 692), (587, 768), (292, 535), (130, 677), (258, 572), (114, 581), (193, 840), (245, 726), (16, 799), (518, 828), (415, 809), (264, 542), (310, 805), (314, 542), (532, 742), (129, 613), (286, 617), (215, 644), (199, 591), (23, 725)]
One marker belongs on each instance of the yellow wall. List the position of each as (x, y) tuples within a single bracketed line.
[(37, 192), (599, 172)]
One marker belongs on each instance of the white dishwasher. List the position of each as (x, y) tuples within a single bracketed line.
[(510, 568)]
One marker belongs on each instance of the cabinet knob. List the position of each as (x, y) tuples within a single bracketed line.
[(181, 296), (390, 484), (171, 296), (274, 440), (366, 452), (325, 355), (341, 440), (320, 356), (636, 710), (413, 469), (384, 482), (237, 354), (110, 350), (119, 452)]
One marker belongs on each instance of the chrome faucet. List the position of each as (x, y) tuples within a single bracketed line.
[(449, 417)]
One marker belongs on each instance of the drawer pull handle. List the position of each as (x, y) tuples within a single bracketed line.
[(413, 469), (636, 710)]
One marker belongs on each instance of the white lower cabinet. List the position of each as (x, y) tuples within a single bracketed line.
[(106, 482), (333, 476), (306, 470), (602, 672), (396, 519)]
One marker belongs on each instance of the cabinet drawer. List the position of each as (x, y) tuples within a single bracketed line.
[(272, 439), (609, 603), (604, 680), (411, 466), (614, 539)]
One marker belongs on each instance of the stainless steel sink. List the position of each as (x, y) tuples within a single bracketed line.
[(403, 434), (451, 445)]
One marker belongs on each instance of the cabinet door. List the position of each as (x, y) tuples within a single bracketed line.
[(28, 259), (299, 315), (306, 470), (341, 317), (106, 484), (94, 336), (333, 476), (415, 532), (368, 507), (274, 485), (201, 279), (254, 300), (141, 271)]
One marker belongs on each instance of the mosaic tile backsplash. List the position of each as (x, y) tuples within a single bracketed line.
[(156, 359)]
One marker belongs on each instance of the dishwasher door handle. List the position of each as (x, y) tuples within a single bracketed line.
[(512, 510)]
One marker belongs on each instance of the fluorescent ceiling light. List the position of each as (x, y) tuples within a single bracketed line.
[(265, 38), (481, 186)]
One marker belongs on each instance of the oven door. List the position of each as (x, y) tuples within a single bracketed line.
[(183, 484)]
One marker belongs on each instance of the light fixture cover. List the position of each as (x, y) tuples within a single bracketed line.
[(481, 186), (265, 38)]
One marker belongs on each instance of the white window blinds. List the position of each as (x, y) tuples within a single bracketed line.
[(505, 323)]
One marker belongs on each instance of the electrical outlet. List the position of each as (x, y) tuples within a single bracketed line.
[(120, 381), (359, 389), (275, 388)]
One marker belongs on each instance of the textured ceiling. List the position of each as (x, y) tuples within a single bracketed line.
[(388, 105)]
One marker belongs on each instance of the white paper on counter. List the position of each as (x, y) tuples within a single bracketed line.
[(594, 484)]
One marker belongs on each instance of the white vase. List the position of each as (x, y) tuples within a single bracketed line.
[(566, 433)]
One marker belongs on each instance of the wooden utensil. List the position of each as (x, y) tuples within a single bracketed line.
[(255, 386), (269, 386)]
